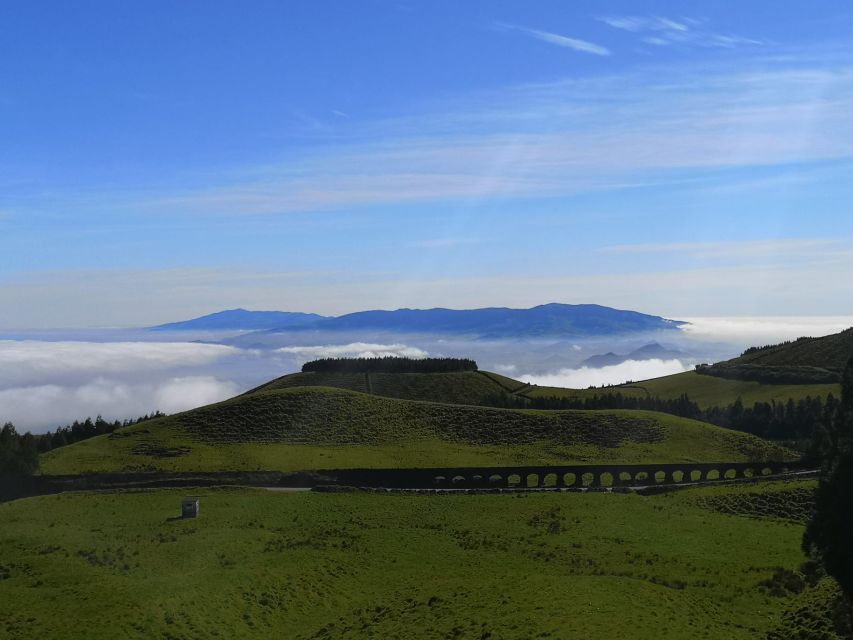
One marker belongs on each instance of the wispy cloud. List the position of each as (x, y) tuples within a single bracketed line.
[(560, 138), (575, 44), (636, 24), (821, 281), (669, 31), (445, 243), (776, 247)]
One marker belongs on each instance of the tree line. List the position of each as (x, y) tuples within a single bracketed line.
[(389, 364), (19, 452), (88, 428), (829, 534), (791, 421)]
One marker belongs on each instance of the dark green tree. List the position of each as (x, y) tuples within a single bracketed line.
[(18, 461), (829, 535)]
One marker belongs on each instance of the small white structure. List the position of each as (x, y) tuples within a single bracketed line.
[(189, 507)]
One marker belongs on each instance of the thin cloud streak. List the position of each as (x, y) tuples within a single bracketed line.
[(668, 31), (823, 281), (777, 247), (551, 143), (559, 40)]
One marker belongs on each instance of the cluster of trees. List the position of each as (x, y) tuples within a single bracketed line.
[(791, 420), (766, 347), (389, 364), (18, 461), (88, 428), (829, 534), (19, 452), (798, 421)]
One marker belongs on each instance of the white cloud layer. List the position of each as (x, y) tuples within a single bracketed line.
[(630, 370), (50, 405), (757, 331), (47, 384), (355, 350), (28, 362)]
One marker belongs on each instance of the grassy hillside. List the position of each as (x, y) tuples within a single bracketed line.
[(710, 391), (469, 387), (707, 391), (318, 427), (354, 566), (830, 352)]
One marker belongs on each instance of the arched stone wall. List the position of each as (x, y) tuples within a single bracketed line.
[(555, 477)]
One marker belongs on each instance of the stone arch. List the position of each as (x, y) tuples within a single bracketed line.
[(730, 474), (767, 471), (713, 474), (695, 475), (496, 479), (439, 480), (550, 480), (513, 480), (678, 476), (642, 476), (625, 477), (749, 472), (587, 479), (531, 480), (659, 477), (569, 479), (458, 480), (606, 479)]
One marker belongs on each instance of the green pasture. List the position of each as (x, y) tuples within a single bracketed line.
[(316, 427), (707, 391), (301, 566)]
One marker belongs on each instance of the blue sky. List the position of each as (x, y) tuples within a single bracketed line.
[(160, 160)]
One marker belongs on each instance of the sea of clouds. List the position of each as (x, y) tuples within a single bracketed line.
[(628, 371), (45, 383)]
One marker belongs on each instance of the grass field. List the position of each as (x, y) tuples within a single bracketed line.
[(469, 387), (480, 388), (304, 566), (316, 427), (707, 391), (832, 351)]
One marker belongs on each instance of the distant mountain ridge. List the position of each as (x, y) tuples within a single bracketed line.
[(651, 351), (493, 322), (242, 319)]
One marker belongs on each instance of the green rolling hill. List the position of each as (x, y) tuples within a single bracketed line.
[(803, 361), (829, 352), (320, 427)]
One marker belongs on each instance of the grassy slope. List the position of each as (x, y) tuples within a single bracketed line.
[(350, 566), (480, 388), (309, 428), (456, 388), (708, 391), (832, 351)]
